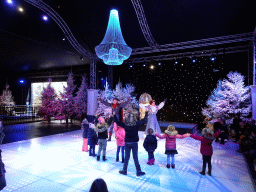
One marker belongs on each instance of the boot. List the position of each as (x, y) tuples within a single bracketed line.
[(117, 159), (149, 161), (109, 137), (98, 158), (90, 153), (123, 172), (140, 173), (202, 172), (173, 166), (168, 166), (104, 158), (153, 161), (122, 159)]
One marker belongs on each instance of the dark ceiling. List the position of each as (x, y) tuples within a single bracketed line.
[(28, 43)]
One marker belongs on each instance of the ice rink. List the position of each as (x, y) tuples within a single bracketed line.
[(56, 163)]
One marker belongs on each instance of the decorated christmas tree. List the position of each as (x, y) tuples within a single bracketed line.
[(231, 97), (48, 107), (81, 99), (66, 105), (6, 99)]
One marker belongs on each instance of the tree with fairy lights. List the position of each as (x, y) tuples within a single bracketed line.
[(229, 98), (47, 108), (81, 99), (122, 94), (66, 105), (6, 99)]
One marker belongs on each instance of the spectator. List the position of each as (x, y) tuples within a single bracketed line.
[(99, 185)]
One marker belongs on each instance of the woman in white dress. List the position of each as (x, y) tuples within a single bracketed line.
[(152, 111)]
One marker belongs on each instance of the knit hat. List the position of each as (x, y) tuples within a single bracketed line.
[(171, 130), (208, 134)]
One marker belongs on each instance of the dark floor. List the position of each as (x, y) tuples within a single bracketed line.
[(26, 131)]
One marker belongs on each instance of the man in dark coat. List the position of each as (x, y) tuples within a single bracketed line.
[(92, 140), (131, 127), (116, 110)]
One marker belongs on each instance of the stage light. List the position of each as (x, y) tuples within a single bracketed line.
[(193, 60), (21, 81), (144, 65), (159, 63), (212, 58), (113, 50), (130, 66), (152, 66), (9, 1), (45, 18), (20, 9), (176, 62)]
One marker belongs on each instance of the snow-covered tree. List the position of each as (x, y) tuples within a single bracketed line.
[(81, 99), (48, 108), (105, 95), (122, 94), (229, 98), (66, 107), (6, 99)]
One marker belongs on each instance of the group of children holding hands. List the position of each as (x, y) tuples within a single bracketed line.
[(98, 133)]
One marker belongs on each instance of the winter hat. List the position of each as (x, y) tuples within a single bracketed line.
[(208, 134), (171, 130)]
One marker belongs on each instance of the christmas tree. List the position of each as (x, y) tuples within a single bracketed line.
[(231, 97), (6, 99), (48, 107), (122, 94), (66, 105), (105, 95), (81, 99)]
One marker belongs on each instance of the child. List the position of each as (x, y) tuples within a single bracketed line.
[(206, 147), (150, 145), (102, 130), (170, 135), (92, 139), (85, 126), (120, 136)]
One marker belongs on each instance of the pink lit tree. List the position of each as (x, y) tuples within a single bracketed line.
[(81, 99), (48, 108), (66, 105)]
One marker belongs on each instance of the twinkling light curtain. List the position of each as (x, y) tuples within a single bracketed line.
[(113, 50)]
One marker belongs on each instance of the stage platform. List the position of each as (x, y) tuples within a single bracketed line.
[(56, 163)]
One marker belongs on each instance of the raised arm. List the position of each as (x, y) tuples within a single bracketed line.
[(160, 106), (161, 136), (105, 103), (181, 136), (119, 123), (143, 121), (196, 137), (122, 105), (217, 134)]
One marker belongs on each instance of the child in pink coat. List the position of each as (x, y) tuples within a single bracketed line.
[(170, 144), (120, 136), (206, 147)]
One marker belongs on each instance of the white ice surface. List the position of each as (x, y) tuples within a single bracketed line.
[(57, 163)]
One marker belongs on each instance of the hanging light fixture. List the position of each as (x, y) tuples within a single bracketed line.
[(113, 50)]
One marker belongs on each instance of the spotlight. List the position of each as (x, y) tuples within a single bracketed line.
[(20, 9), (9, 1), (159, 63), (176, 62), (152, 66), (193, 60), (212, 58), (144, 65), (21, 81), (45, 18), (130, 66)]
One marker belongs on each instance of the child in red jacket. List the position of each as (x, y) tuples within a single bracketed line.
[(170, 144), (206, 147)]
